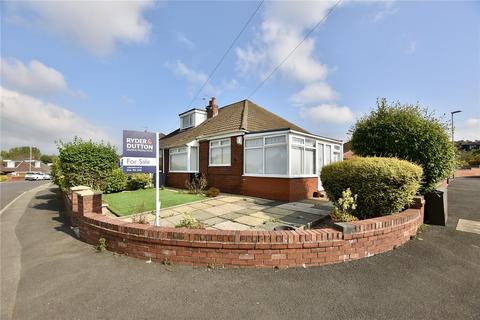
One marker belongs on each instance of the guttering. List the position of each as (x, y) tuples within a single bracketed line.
[(280, 131)]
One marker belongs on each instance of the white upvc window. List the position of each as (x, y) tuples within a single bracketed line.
[(220, 152), (303, 156), (184, 159), (267, 155), (187, 121)]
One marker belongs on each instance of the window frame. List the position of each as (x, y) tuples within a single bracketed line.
[(220, 146), (264, 146), (175, 150)]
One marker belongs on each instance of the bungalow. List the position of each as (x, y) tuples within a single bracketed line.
[(19, 168), (244, 149)]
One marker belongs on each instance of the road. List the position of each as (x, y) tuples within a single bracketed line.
[(10, 190), (59, 277)]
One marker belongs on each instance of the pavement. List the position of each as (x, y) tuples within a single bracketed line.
[(233, 212), (48, 274)]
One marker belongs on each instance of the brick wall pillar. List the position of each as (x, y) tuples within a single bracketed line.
[(89, 201), (74, 197)]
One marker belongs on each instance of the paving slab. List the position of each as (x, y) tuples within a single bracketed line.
[(201, 215), (232, 215), (184, 209), (251, 221), (231, 199), (168, 213), (215, 202), (230, 225), (200, 205), (214, 221), (279, 211), (264, 215), (175, 220)]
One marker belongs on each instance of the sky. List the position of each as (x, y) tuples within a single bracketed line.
[(92, 69)]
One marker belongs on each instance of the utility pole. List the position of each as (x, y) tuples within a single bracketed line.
[(30, 163), (453, 139)]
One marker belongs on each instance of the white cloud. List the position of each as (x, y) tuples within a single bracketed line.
[(468, 130), (30, 121), (195, 80), (127, 100), (184, 40), (314, 92), (32, 78), (387, 8), (328, 113), (95, 25), (284, 25)]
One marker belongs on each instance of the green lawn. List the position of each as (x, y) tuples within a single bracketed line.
[(130, 202)]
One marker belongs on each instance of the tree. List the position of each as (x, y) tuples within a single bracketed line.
[(407, 132), (21, 153), (45, 158), (85, 163)]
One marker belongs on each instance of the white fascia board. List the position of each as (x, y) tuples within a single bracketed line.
[(317, 137)]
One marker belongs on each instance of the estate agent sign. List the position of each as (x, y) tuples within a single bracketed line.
[(139, 151)]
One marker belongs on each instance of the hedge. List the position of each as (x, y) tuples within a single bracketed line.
[(383, 185)]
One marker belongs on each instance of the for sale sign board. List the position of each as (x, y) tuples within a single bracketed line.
[(139, 152)]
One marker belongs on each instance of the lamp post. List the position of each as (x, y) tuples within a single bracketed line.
[(453, 140)]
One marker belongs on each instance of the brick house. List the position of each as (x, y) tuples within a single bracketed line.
[(243, 148), (19, 168)]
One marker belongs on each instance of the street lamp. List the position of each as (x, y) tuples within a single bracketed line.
[(453, 140)]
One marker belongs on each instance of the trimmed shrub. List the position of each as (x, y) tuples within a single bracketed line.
[(117, 181), (84, 163), (212, 192), (139, 181), (3, 178), (407, 132), (383, 185)]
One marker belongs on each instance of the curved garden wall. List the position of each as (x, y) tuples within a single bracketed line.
[(234, 249)]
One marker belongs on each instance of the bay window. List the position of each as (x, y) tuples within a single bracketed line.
[(178, 159), (303, 156), (266, 155), (184, 159), (220, 154)]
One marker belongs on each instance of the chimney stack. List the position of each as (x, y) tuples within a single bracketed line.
[(212, 109)]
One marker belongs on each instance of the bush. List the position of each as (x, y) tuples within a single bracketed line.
[(189, 222), (212, 192), (84, 163), (344, 207), (117, 181), (407, 132), (3, 178), (383, 185), (139, 181), (197, 185)]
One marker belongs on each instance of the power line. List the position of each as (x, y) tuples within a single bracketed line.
[(226, 52), (294, 49)]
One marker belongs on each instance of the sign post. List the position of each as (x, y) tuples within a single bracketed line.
[(140, 155), (157, 182)]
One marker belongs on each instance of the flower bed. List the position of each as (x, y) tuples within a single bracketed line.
[(254, 249)]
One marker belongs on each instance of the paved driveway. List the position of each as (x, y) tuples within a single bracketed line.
[(233, 212), (59, 277)]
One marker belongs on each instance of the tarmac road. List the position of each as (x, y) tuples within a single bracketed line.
[(11, 190), (52, 275)]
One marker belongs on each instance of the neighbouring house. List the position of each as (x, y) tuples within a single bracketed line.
[(468, 145), (347, 152), (16, 168), (243, 148)]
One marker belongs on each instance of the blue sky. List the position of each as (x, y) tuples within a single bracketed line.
[(92, 69)]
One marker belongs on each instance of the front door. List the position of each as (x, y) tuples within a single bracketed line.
[(320, 162)]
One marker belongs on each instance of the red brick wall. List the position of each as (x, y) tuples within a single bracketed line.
[(225, 178), (254, 249), (281, 189)]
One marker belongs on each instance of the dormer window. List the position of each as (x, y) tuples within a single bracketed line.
[(192, 118), (187, 121)]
